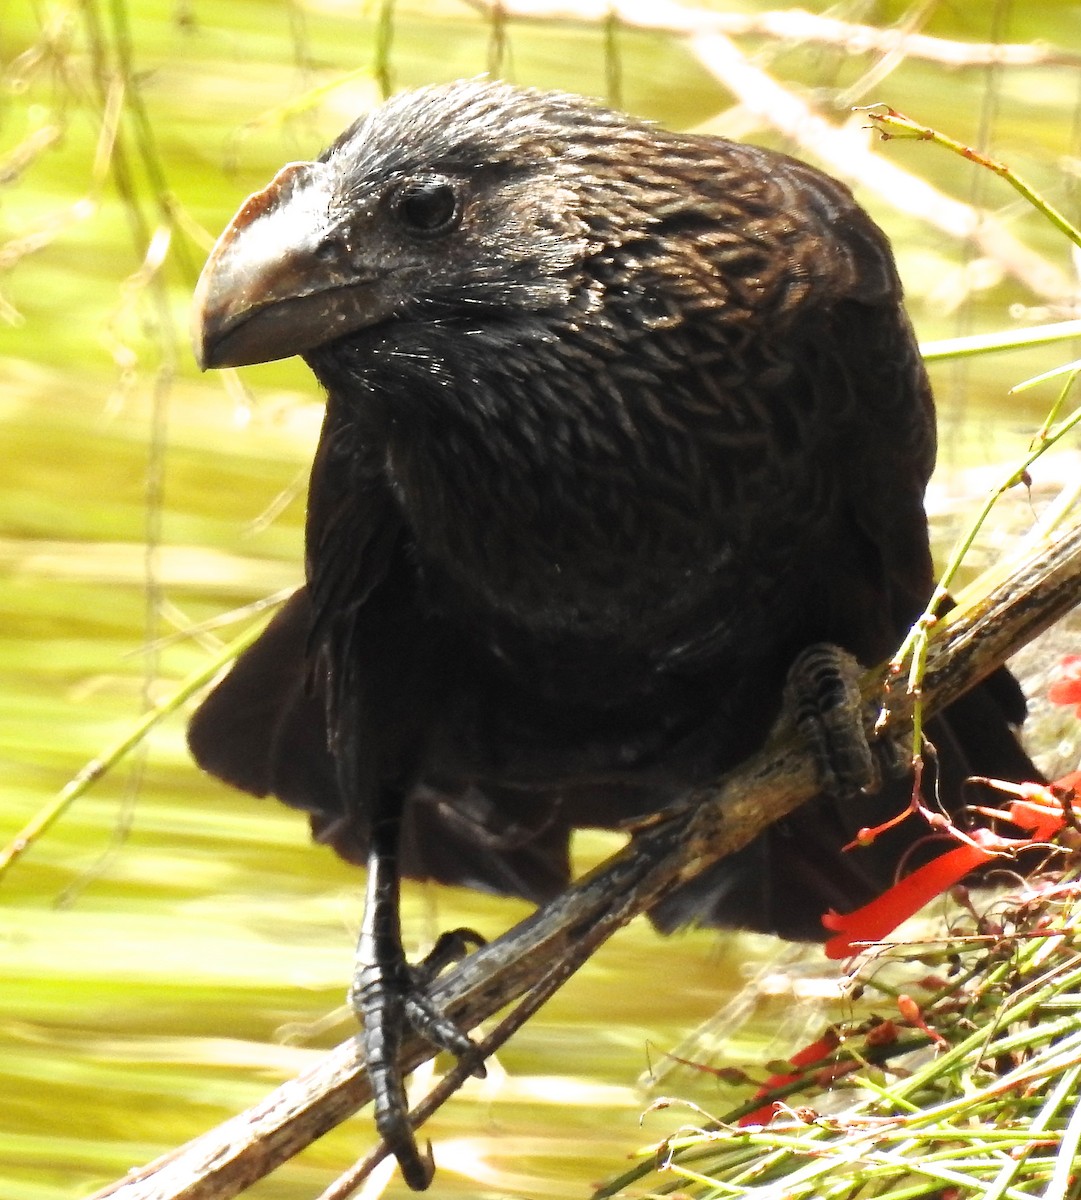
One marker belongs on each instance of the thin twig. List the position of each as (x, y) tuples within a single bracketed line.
[(892, 124)]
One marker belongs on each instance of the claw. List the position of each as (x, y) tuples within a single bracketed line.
[(385, 1000), (450, 948), (427, 1020), (418, 1170), (823, 692)]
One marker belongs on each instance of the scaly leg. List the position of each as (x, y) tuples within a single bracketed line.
[(387, 993)]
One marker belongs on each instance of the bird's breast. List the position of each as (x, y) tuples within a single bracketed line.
[(551, 482), (582, 556)]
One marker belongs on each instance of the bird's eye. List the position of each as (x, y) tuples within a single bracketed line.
[(428, 207)]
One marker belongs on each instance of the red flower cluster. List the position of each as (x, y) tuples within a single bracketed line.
[(1037, 810)]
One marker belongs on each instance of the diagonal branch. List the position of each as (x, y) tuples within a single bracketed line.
[(665, 852)]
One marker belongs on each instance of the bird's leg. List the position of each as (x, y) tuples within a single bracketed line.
[(387, 993), (823, 693), (380, 985)]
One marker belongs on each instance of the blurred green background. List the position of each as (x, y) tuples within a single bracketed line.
[(171, 950)]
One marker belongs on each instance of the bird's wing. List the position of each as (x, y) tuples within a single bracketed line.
[(860, 364), (352, 524), (859, 397), (262, 729)]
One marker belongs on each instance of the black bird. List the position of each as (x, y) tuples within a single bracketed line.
[(619, 423)]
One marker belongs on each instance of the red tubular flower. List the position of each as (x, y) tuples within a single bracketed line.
[(816, 1052), (1066, 689), (1038, 810), (873, 921)]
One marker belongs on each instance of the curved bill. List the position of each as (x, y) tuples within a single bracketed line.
[(280, 280)]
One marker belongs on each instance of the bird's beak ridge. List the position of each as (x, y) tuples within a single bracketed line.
[(279, 280)]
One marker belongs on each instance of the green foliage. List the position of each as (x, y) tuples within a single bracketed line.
[(971, 1091)]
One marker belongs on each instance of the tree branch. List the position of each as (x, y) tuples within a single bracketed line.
[(978, 635)]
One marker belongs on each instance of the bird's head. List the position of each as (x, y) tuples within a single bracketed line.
[(469, 198)]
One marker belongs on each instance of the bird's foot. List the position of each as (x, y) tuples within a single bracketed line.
[(823, 693), (423, 1015), (388, 997)]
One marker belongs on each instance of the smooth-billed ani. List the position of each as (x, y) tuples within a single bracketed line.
[(619, 422)]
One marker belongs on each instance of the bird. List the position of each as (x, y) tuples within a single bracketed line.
[(621, 423)]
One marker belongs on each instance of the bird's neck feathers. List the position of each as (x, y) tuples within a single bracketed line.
[(507, 410), (528, 466)]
